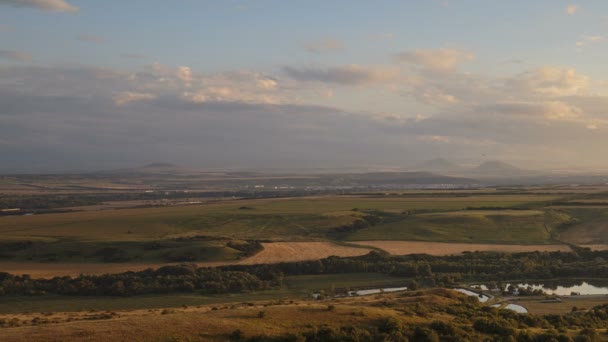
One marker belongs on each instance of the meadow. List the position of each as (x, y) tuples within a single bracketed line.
[(224, 231)]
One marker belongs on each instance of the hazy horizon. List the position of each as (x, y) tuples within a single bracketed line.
[(87, 86)]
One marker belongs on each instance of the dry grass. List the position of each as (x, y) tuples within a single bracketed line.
[(442, 248), (299, 251), (208, 324), (538, 307), (596, 247)]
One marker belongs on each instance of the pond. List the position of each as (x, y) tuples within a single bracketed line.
[(365, 292), (374, 291), (565, 288), (482, 298), (513, 307)]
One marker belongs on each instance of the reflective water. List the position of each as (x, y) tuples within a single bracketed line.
[(374, 291), (565, 289), (482, 298), (513, 307)]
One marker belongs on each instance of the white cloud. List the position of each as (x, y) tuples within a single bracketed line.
[(45, 5), (184, 73), (437, 60), (267, 83), (550, 81), (558, 110)]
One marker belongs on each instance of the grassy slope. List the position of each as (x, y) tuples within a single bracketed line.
[(279, 318), (75, 237), (478, 227), (589, 226), (270, 219)]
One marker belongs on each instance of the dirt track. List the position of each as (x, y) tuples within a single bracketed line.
[(443, 248)]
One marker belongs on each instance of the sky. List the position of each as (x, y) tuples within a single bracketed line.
[(260, 84)]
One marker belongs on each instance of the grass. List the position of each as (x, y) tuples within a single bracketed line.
[(75, 251), (285, 219), (588, 226), (466, 227), (536, 306), (123, 236)]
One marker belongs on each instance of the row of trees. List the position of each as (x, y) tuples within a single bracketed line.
[(427, 270), (185, 278)]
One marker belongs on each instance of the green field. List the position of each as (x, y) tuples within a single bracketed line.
[(203, 232), (282, 219), (478, 227)]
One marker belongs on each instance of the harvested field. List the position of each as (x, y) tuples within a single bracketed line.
[(50, 270), (441, 248), (273, 252), (299, 251)]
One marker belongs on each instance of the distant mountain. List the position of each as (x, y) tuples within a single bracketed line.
[(496, 168), (391, 178), (439, 165), (153, 168), (159, 166)]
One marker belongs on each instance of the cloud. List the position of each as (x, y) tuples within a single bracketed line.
[(45, 5), (127, 96), (267, 83), (91, 38), (558, 110), (346, 75), (324, 45), (585, 40), (550, 81), (4, 28), (20, 56), (99, 118), (572, 9), (184, 73), (548, 110), (437, 60)]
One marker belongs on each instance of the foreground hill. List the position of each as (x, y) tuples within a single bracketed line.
[(431, 315)]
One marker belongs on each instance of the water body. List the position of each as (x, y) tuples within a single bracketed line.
[(374, 291), (482, 298), (565, 289), (366, 292), (513, 307)]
